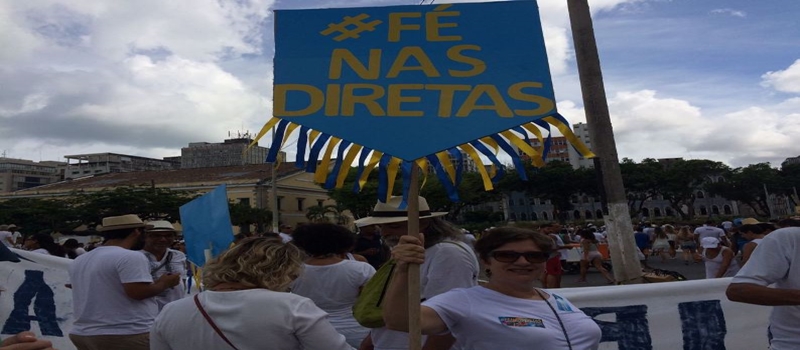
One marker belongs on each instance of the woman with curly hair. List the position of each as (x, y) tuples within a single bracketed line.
[(328, 279), (246, 306)]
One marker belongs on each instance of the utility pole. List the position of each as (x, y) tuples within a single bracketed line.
[(618, 221)]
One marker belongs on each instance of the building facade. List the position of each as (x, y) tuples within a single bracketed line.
[(80, 165), (20, 174), (231, 152)]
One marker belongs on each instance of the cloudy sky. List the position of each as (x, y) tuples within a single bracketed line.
[(715, 79)]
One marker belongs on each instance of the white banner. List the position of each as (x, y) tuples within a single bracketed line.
[(36, 298), (689, 315)]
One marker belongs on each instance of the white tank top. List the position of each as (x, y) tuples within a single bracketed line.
[(713, 265)]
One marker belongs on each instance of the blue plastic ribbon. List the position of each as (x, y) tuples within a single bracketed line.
[(277, 140)]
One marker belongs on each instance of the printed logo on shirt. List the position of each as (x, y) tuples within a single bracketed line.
[(521, 322), (562, 304)]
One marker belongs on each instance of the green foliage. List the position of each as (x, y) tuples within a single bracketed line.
[(243, 215), (66, 213), (327, 214)]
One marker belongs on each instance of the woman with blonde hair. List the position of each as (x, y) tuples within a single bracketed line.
[(246, 305)]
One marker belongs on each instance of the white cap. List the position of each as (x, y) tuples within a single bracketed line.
[(709, 242)]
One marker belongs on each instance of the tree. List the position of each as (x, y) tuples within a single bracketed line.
[(747, 185), (243, 215), (642, 182), (557, 182), (470, 192), (360, 204), (683, 178), (327, 214), (146, 202)]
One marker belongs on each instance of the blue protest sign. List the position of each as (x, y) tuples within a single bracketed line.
[(206, 224), (411, 81)]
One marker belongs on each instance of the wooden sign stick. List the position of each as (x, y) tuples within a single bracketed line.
[(414, 317)]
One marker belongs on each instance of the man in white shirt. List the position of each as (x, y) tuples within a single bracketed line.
[(772, 278), (112, 290), (709, 230), (163, 260)]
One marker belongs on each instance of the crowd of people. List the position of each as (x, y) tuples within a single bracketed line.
[(296, 289)]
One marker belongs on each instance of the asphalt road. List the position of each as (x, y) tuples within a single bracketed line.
[(693, 271)]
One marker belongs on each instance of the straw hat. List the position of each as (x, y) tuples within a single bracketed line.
[(389, 212), (750, 221), (122, 222)]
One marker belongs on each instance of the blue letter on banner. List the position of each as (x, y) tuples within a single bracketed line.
[(703, 325), (44, 307), (630, 332)]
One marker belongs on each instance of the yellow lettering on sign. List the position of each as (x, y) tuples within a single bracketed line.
[(333, 94), (425, 63), (498, 103), (316, 97), (396, 98), (446, 94), (432, 24), (455, 54), (350, 99), (545, 104), (344, 55), (396, 24)]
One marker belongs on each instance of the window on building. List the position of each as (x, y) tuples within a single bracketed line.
[(280, 202), (646, 212), (245, 201), (534, 217), (727, 209), (586, 199), (576, 214), (521, 202), (320, 202), (668, 212), (700, 194), (598, 214), (703, 210), (523, 217), (513, 217), (300, 206), (657, 212), (714, 210), (544, 216), (588, 214)]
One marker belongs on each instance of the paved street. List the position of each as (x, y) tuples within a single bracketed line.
[(692, 272)]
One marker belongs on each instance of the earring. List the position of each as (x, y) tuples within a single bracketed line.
[(488, 273)]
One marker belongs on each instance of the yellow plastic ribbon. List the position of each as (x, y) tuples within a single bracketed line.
[(373, 160), (345, 168), (487, 180), (263, 131), (391, 171), (571, 137), (536, 157), (324, 167), (447, 164)]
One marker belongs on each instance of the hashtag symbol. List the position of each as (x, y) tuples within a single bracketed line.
[(350, 27)]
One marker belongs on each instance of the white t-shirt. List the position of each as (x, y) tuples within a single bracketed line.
[(176, 265), (447, 265), (776, 260), (709, 231), (560, 243), (5, 236), (483, 319), (251, 319), (101, 306), (334, 288)]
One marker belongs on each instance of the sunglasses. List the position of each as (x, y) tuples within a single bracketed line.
[(508, 256)]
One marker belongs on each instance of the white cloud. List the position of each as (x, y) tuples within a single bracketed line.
[(729, 12), (787, 80)]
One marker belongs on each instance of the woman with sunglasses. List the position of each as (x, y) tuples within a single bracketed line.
[(507, 312)]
